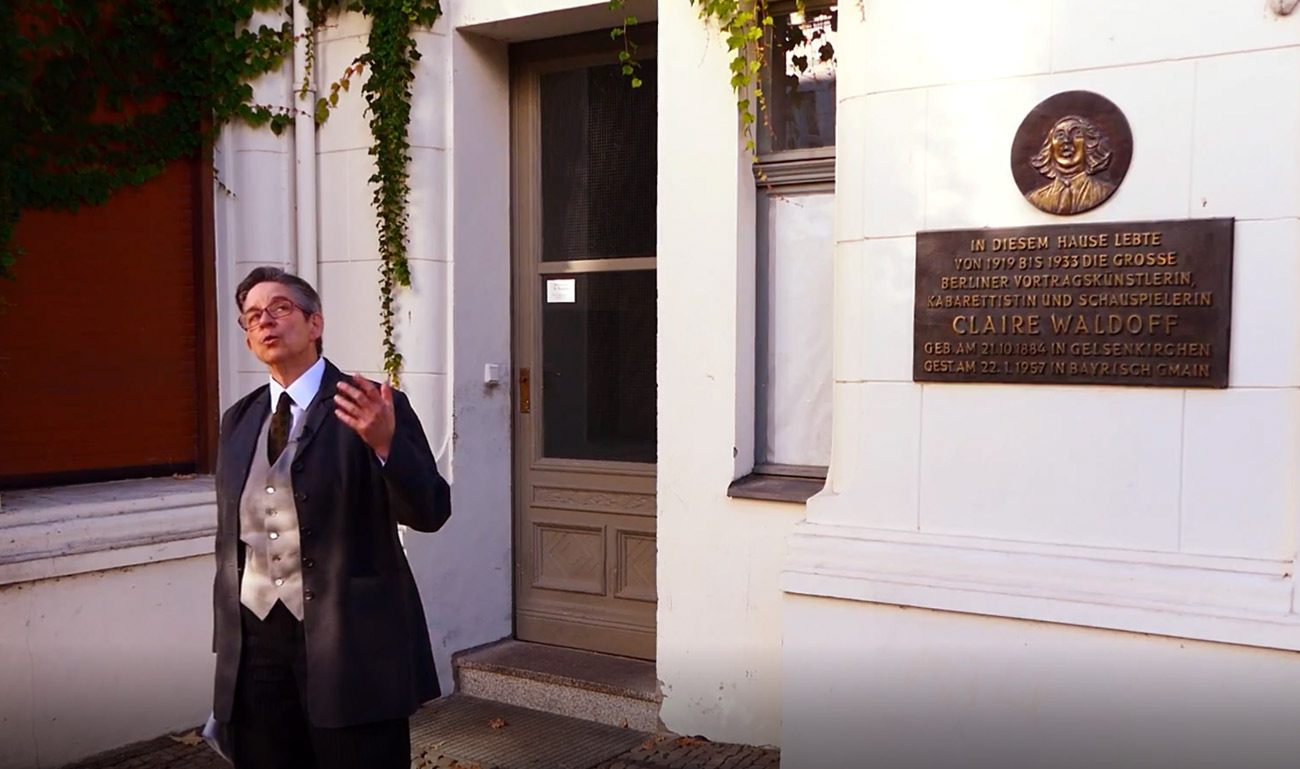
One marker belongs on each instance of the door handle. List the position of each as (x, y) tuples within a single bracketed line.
[(525, 391)]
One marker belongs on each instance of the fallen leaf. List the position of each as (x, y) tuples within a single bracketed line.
[(623, 724), (497, 723), (189, 738), (184, 476), (691, 742)]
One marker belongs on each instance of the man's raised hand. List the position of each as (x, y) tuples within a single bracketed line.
[(368, 410)]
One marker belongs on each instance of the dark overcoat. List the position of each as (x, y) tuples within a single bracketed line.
[(367, 645)]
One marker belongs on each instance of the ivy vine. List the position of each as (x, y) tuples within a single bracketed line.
[(626, 56), (391, 58), (743, 25), (99, 96)]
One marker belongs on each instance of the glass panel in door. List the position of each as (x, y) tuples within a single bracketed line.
[(598, 159)]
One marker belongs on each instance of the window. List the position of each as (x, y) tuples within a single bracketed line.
[(104, 339), (799, 81), (795, 179), (795, 297)]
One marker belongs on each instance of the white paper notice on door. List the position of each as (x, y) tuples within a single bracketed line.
[(562, 291)]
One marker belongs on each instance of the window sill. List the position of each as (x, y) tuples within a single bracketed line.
[(775, 488), (57, 532), (1224, 600)]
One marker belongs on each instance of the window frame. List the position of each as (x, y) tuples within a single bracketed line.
[(798, 171), (790, 178)]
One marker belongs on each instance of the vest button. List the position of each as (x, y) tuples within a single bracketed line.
[(307, 595), (275, 535), (301, 496), (307, 563), (306, 532)]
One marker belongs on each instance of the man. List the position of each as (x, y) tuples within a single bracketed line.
[(322, 648)]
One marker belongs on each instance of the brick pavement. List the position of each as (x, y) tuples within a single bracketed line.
[(180, 752), (673, 752), (657, 752)]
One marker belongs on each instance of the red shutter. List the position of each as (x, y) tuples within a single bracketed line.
[(99, 364)]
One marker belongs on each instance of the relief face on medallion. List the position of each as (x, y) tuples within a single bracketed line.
[(1071, 153)]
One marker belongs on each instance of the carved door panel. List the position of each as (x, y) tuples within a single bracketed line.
[(584, 186)]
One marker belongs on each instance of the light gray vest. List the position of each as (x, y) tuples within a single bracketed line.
[(268, 525)]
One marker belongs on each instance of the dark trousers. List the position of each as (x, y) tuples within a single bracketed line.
[(269, 727)]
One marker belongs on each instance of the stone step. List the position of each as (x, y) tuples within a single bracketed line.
[(616, 691)]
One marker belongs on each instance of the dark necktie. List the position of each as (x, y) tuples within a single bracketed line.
[(279, 436)]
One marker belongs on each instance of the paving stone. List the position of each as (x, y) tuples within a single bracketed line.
[(672, 752), (162, 753), (654, 752)]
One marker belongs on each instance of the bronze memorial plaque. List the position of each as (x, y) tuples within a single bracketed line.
[(1126, 303), (1071, 153)]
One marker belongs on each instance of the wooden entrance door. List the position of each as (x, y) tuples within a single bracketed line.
[(584, 176)]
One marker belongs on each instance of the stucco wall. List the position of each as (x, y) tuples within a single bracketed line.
[(94, 661), (719, 558), (1155, 510)]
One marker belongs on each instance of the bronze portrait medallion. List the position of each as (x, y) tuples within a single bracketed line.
[(1071, 153)]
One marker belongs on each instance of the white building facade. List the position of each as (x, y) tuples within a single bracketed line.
[(676, 400), (1052, 575)]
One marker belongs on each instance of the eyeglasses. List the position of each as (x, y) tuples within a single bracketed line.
[(280, 308)]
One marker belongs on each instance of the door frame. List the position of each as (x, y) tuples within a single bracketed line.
[(528, 62)]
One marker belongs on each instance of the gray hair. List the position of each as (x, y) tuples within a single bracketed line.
[(303, 294)]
